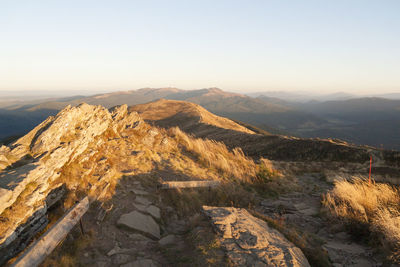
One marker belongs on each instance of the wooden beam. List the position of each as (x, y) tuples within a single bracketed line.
[(36, 253), (188, 184)]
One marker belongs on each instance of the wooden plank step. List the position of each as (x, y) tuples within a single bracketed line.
[(188, 184), (36, 253)]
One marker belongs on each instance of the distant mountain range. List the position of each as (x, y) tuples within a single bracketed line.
[(310, 96), (372, 121)]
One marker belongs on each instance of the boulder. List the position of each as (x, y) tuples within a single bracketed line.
[(249, 241)]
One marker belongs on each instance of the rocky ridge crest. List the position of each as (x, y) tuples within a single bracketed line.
[(42, 153)]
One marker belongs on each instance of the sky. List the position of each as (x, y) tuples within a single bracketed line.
[(243, 46)]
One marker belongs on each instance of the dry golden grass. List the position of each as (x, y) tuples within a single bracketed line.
[(189, 201), (360, 201), (216, 156), (374, 207), (103, 165)]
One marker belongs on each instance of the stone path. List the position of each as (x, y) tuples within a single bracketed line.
[(132, 230)]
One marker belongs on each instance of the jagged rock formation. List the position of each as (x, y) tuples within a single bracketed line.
[(250, 241), (50, 146)]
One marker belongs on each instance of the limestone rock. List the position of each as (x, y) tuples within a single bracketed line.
[(140, 222), (4, 162), (250, 241)]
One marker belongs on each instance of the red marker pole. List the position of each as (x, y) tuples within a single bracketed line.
[(370, 168)]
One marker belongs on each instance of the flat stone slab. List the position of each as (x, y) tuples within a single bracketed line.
[(139, 192), (139, 237), (138, 221), (167, 240), (249, 241), (143, 201), (140, 207), (154, 211)]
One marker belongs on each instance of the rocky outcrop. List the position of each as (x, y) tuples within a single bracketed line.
[(51, 145), (250, 241), (23, 234), (4, 161)]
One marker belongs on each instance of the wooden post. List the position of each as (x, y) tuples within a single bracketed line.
[(80, 224), (189, 184), (370, 170), (36, 253)]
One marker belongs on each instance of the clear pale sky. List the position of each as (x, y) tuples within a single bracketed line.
[(321, 46)]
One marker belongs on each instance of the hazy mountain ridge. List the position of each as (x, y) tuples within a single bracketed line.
[(350, 119), (304, 96), (234, 105)]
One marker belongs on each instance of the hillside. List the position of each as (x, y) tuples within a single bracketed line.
[(118, 157), (197, 121)]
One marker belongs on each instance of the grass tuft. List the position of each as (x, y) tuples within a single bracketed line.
[(368, 210)]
